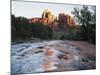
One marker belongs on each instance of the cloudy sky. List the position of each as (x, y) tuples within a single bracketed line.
[(35, 9)]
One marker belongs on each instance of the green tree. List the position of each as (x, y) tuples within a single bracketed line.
[(86, 19)]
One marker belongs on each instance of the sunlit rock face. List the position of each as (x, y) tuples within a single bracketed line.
[(46, 56), (48, 14)]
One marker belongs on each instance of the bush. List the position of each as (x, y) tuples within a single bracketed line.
[(41, 31)]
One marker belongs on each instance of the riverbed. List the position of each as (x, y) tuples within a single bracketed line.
[(49, 56)]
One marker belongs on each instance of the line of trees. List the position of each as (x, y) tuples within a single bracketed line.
[(22, 29)]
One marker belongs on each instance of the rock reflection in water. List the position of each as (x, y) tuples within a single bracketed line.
[(49, 63)]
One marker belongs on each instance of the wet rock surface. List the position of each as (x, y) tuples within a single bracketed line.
[(50, 56)]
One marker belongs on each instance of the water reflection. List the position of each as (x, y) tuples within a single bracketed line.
[(49, 63)]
